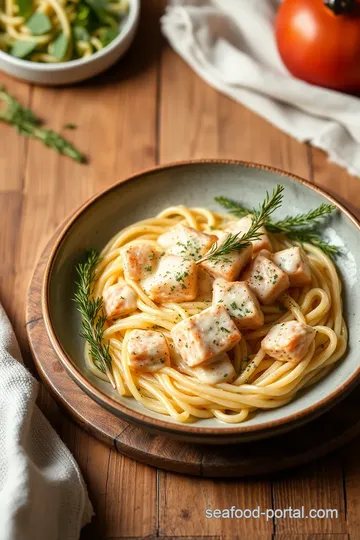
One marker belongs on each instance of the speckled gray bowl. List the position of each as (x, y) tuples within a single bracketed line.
[(196, 184)]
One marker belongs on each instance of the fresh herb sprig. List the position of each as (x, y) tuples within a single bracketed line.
[(28, 124), (301, 227), (234, 207), (92, 314), (311, 236), (308, 219), (235, 242)]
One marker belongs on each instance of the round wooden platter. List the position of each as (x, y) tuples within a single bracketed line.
[(313, 440)]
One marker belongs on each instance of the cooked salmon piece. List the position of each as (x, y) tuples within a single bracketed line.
[(186, 242), (240, 302), (266, 279), (243, 225), (139, 260), (216, 370), (174, 280), (205, 335), (288, 341), (294, 262), (230, 265), (119, 299), (205, 285), (148, 350)]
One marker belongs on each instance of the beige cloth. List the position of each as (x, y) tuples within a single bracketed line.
[(42, 493)]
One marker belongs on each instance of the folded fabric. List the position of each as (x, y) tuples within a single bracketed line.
[(231, 45), (42, 493)]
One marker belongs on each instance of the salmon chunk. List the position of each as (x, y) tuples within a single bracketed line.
[(119, 299), (186, 242), (293, 261), (148, 350), (216, 370), (240, 302), (205, 335), (139, 260), (174, 280), (243, 225), (231, 264), (266, 279), (289, 341)]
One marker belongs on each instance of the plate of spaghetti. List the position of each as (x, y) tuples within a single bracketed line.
[(213, 301)]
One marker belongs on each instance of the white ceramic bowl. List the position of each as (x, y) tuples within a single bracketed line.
[(75, 70)]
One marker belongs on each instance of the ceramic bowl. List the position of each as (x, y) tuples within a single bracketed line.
[(196, 184), (75, 70)]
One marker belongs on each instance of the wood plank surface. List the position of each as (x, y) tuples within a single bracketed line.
[(152, 108)]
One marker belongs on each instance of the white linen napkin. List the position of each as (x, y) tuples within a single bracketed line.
[(231, 44), (42, 493)]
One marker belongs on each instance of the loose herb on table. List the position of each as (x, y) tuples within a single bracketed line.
[(30, 125)]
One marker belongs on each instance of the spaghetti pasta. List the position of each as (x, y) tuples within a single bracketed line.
[(53, 31), (261, 381)]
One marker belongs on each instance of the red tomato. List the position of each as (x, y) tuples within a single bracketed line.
[(320, 46)]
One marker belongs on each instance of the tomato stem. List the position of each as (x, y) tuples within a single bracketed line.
[(340, 7)]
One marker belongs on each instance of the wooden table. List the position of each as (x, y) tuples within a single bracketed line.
[(151, 108)]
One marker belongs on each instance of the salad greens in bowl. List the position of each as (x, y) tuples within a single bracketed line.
[(64, 41)]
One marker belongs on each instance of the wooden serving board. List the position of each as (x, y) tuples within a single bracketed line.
[(315, 439)]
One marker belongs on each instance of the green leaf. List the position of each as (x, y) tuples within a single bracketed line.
[(82, 13), (21, 49), (59, 47), (100, 9), (81, 34), (107, 35), (70, 126), (97, 5), (39, 24), (25, 7)]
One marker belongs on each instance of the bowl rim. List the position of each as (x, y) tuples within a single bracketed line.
[(40, 67), (136, 417)]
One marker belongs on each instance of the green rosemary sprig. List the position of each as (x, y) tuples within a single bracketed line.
[(92, 314), (28, 124), (235, 242), (311, 236), (306, 220), (235, 208), (301, 228)]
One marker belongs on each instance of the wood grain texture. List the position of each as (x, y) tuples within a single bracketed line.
[(315, 536), (152, 107)]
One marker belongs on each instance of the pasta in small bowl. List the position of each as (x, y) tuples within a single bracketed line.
[(56, 42)]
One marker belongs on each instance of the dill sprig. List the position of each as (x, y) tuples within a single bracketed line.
[(301, 227), (29, 125), (92, 314), (235, 242)]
